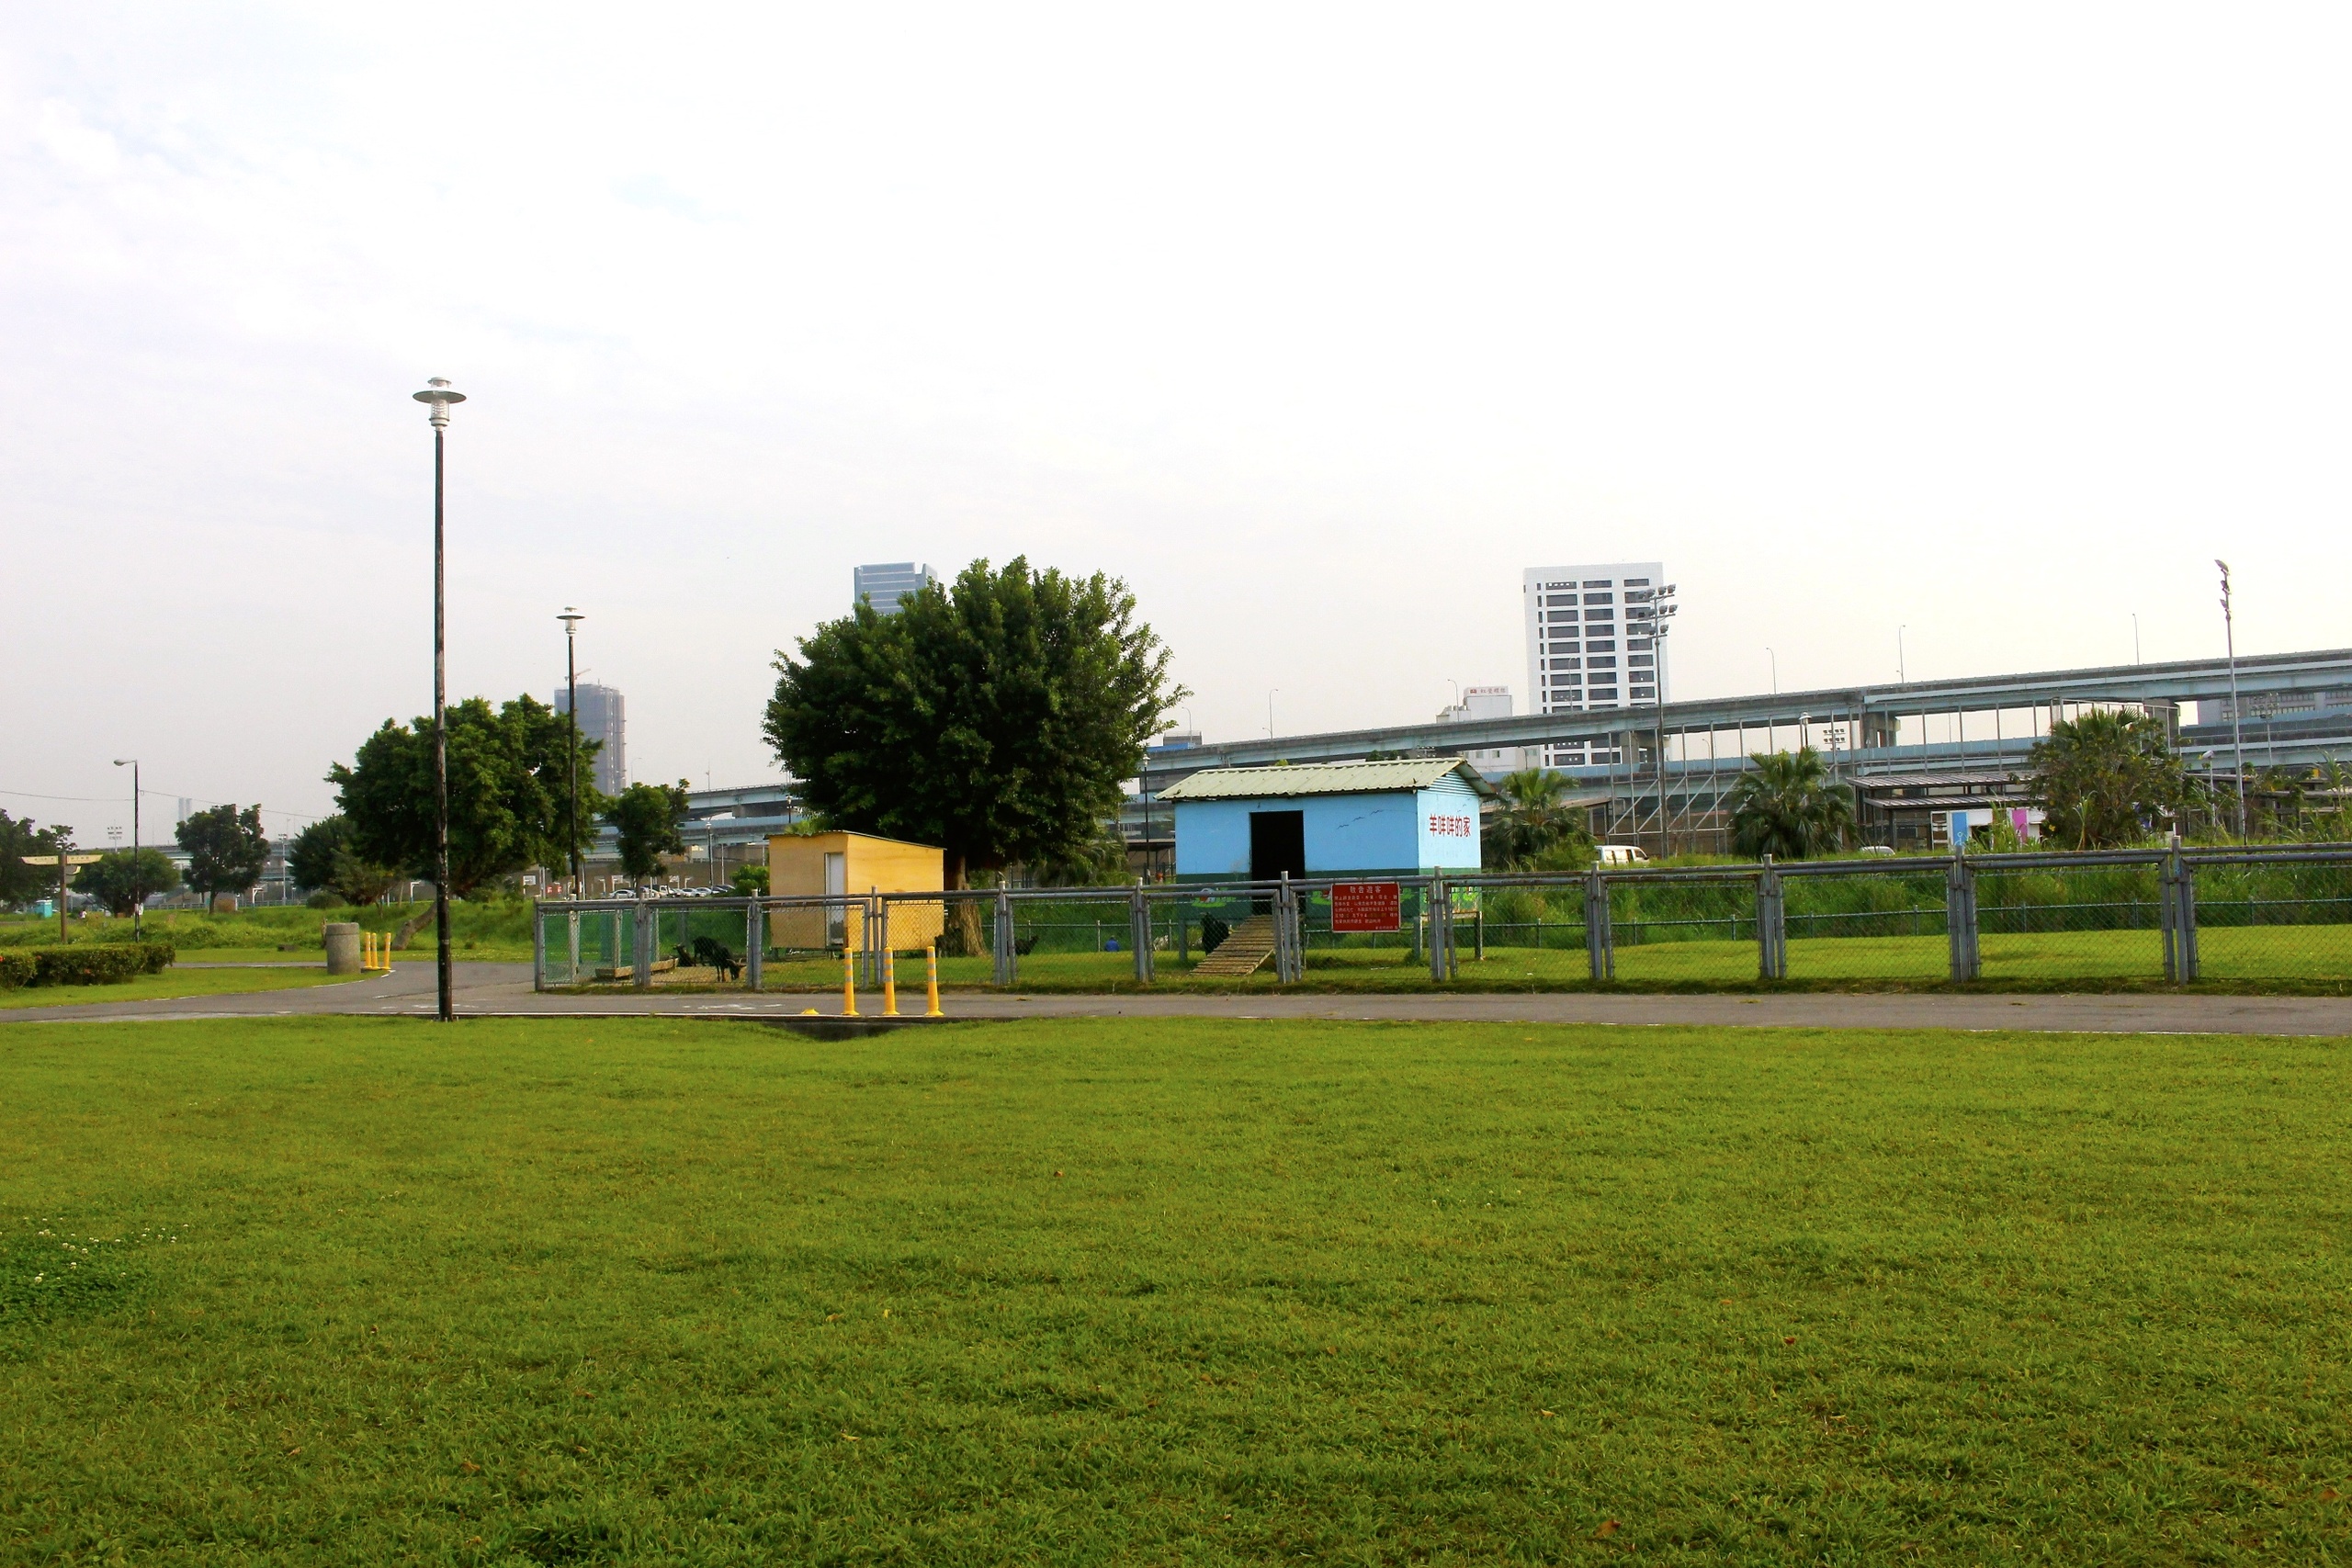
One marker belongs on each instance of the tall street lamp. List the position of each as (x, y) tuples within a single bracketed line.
[(136, 886), (2237, 720), (572, 619), (438, 396)]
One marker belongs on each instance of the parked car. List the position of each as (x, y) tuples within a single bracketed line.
[(1622, 854)]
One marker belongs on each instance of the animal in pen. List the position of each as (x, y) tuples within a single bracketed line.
[(710, 952)]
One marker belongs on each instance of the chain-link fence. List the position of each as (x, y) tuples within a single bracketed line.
[(2282, 915)]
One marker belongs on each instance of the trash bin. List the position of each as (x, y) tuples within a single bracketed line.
[(342, 947)]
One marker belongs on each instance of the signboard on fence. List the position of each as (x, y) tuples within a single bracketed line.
[(1364, 907)]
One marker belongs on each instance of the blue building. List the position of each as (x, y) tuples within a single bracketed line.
[(1328, 819)]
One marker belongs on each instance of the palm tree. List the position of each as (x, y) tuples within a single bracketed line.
[(1789, 806), (2105, 778), (1531, 821)]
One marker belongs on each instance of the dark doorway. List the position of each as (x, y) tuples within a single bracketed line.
[(1277, 844)]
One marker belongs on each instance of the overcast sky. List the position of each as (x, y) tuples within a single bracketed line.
[(1316, 326)]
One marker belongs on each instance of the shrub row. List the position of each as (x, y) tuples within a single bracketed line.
[(91, 963)]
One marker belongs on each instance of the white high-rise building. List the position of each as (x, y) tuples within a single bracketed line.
[(888, 583), (1486, 702), (1592, 646)]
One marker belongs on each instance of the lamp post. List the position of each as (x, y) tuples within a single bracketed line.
[(572, 619), (1270, 712), (438, 396), (139, 907), (2237, 720), (1662, 609)]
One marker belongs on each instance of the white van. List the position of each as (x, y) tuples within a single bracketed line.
[(1622, 854)]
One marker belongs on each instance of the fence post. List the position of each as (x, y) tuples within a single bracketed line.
[(878, 938), (1184, 932), (1960, 918), (1282, 931), (642, 948), (1007, 959), (1440, 916), (1139, 933), (755, 943), (1599, 942), (571, 923), (1771, 929), (538, 947), (2179, 903)]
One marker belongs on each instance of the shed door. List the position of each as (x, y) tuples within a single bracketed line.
[(836, 885), (1277, 844)]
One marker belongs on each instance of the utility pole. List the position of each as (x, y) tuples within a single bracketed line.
[(137, 908), (2237, 720)]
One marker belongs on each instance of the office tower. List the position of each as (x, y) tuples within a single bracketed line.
[(1592, 646), (886, 584), (603, 716)]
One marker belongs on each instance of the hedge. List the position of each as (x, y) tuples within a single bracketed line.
[(84, 964)]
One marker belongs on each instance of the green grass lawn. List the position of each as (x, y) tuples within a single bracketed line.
[(172, 982), (375, 1290)]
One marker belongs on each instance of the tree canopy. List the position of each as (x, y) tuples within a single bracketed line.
[(1787, 806), (2106, 777), (645, 817), (322, 856), (998, 717), (226, 849), (507, 793), (124, 879), (21, 883)]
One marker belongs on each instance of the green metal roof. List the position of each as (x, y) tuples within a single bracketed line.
[(1401, 776)]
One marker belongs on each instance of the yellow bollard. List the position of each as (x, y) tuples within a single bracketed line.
[(849, 982), (931, 982), (890, 985)]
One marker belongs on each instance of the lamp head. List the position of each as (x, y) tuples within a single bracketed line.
[(571, 619), (126, 761), (438, 395)]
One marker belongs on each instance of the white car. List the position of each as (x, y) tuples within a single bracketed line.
[(1622, 854)]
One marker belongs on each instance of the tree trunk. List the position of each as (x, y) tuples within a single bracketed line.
[(960, 935), (410, 927)]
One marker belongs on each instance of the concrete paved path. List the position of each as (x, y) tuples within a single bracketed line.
[(505, 989)]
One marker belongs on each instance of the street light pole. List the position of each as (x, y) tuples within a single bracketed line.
[(137, 908), (438, 396), (2237, 720), (572, 619)]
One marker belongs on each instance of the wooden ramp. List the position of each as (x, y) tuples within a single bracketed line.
[(1245, 947)]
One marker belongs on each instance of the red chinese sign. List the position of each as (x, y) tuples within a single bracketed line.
[(1364, 907), (1449, 827)]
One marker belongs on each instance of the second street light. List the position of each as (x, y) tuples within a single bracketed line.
[(572, 619), (138, 884), (438, 396)]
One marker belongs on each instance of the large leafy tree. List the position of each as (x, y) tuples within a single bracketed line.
[(645, 817), (507, 793), (1534, 826), (2106, 777), (226, 849), (1788, 806), (998, 718), (124, 879), (322, 856), (21, 883)]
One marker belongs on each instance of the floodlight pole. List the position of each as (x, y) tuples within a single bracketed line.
[(139, 906), (2237, 720), (438, 396), (572, 619)]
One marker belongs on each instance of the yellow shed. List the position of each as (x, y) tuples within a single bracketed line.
[(837, 865)]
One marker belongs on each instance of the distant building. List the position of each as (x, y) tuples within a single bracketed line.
[(1591, 646), (885, 585), (604, 717), (1486, 702)]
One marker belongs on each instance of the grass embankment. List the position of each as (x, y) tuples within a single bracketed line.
[(172, 983), (1093, 1292), (490, 929)]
